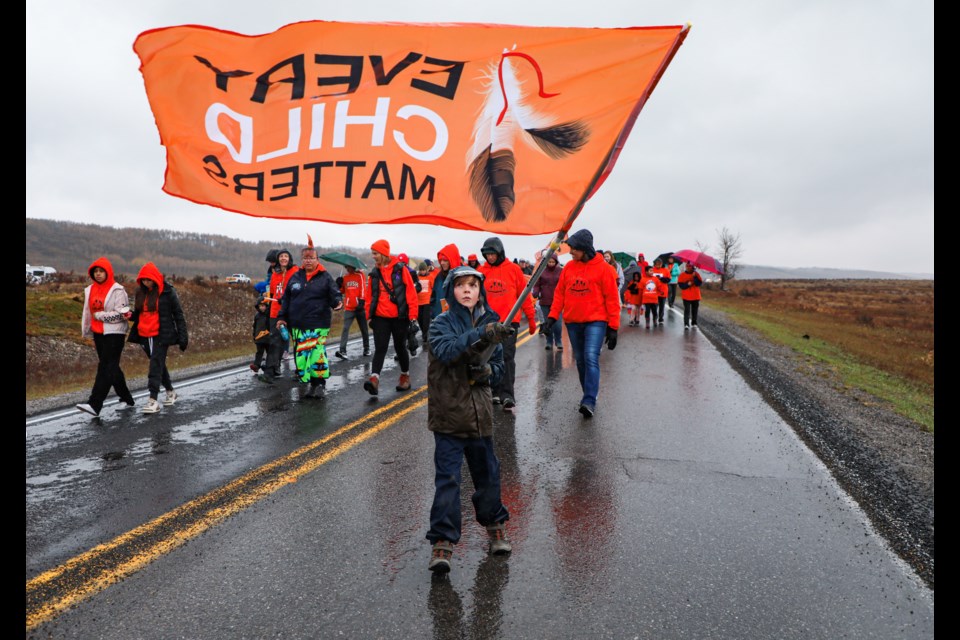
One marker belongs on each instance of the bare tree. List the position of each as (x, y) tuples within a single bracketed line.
[(702, 247), (730, 251)]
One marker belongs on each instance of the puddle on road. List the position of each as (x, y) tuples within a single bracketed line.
[(70, 473)]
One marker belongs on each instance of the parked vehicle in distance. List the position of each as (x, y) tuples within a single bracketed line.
[(37, 274), (237, 278)]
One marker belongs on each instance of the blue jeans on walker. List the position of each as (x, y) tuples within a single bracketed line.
[(484, 469), (586, 339)]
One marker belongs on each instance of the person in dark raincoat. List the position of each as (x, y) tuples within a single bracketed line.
[(460, 414)]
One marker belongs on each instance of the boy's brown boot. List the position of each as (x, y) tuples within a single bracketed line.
[(372, 385), (404, 383), (440, 556), (498, 539)]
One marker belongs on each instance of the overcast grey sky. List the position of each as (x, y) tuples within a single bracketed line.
[(807, 126)]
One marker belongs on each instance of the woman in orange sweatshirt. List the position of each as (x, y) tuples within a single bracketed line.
[(589, 300), (689, 283)]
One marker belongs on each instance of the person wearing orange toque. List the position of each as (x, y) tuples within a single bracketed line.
[(393, 312)]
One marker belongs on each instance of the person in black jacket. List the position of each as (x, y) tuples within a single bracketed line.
[(158, 323), (310, 297), (261, 332)]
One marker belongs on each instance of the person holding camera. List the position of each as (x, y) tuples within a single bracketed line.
[(393, 313)]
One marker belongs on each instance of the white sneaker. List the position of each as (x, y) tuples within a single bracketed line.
[(152, 406), (169, 398), (86, 408), (123, 406)]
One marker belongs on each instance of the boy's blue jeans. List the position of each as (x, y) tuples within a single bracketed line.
[(445, 519), (586, 340)]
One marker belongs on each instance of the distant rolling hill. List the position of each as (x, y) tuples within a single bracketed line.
[(754, 272), (72, 246)]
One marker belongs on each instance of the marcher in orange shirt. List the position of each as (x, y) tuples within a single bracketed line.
[(662, 274), (355, 290), (426, 274), (282, 272), (588, 297), (650, 295), (393, 313), (504, 282), (689, 283), (634, 298)]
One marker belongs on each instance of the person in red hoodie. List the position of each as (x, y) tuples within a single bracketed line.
[(158, 323), (662, 274), (282, 272), (447, 258), (393, 312), (104, 318), (588, 298), (689, 283), (355, 290), (650, 294), (504, 282), (426, 274)]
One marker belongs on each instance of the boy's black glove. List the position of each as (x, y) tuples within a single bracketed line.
[(340, 281), (480, 373), (495, 332), (547, 325), (183, 345), (611, 339), (413, 328)]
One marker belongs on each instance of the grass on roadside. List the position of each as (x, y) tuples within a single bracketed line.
[(890, 363)]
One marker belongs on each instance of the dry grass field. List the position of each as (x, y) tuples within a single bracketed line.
[(877, 335)]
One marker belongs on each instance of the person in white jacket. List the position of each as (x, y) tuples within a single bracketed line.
[(106, 309)]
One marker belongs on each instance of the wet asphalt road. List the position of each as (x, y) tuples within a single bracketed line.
[(685, 509)]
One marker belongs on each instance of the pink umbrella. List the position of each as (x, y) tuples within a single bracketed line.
[(700, 260)]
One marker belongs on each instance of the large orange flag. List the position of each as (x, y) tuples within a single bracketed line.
[(473, 126)]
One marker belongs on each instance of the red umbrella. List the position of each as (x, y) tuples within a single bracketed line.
[(700, 260)]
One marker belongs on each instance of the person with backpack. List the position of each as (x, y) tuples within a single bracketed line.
[(413, 344), (393, 313)]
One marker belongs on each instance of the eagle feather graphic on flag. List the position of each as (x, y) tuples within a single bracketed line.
[(508, 114)]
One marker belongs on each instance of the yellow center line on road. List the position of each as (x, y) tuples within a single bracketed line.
[(44, 611)]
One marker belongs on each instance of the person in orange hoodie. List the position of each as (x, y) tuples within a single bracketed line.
[(354, 288), (588, 297), (663, 276), (650, 295), (504, 282), (689, 284), (104, 318), (282, 272), (472, 261), (447, 258), (633, 296), (393, 312), (426, 274), (158, 323)]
